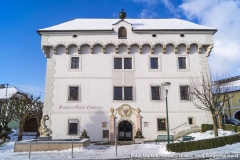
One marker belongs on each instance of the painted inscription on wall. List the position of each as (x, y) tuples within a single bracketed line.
[(80, 107)]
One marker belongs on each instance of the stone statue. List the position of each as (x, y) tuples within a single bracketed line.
[(43, 130), (84, 134)]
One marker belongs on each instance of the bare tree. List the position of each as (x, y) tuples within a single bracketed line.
[(26, 108), (7, 111), (209, 93)]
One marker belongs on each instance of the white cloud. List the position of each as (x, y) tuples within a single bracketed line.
[(149, 2), (223, 15), (169, 6), (147, 14)]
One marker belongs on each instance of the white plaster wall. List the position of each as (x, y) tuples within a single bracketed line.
[(96, 78)]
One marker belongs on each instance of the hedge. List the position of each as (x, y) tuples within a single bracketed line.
[(206, 127), (203, 144), (228, 127)]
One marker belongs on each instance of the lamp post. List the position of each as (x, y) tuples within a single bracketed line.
[(166, 86)]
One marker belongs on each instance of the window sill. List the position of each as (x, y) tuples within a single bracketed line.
[(182, 70), (74, 70), (77, 101), (185, 101)]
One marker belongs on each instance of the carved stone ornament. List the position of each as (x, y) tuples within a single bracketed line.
[(43, 130), (125, 110)]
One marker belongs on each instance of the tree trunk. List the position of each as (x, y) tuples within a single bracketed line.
[(5, 126), (20, 133), (229, 109), (220, 121), (215, 129)]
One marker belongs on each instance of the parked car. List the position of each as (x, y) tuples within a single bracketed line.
[(232, 121)]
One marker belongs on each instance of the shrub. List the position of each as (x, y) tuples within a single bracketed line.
[(203, 144), (206, 127), (230, 127), (237, 128)]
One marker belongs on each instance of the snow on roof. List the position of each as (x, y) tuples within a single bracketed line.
[(9, 92), (137, 24)]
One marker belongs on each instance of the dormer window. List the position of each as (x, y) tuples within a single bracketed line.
[(122, 33)]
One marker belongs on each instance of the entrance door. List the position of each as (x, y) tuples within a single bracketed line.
[(125, 131)]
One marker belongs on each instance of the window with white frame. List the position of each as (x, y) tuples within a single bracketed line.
[(154, 63), (73, 94), (184, 92), (161, 122), (123, 63), (73, 126), (123, 93), (182, 64), (74, 62), (156, 92)]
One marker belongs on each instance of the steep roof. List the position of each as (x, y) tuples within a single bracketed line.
[(137, 24), (9, 92)]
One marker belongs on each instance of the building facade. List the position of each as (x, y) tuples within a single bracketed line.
[(104, 76)]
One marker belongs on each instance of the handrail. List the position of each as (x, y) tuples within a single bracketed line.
[(179, 126)]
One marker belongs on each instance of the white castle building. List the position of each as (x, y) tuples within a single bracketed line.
[(104, 76)]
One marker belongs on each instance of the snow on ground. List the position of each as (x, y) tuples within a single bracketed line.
[(124, 151)]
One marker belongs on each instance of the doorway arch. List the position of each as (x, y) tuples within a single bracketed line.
[(237, 115), (125, 131)]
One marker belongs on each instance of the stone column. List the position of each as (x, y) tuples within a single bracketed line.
[(138, 122), (112, 128)]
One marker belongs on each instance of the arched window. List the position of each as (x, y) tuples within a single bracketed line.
[(122, 32)]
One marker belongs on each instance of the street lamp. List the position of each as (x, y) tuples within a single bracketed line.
[(166, 86)]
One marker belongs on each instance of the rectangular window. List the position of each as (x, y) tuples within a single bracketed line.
[(73, 94), (182, 62), (156, 92), (184, 93), (73, 126), (105, 133), (161, 124), (127, 63), (117, 93), (154, 63), (190, 120), (75, 63), (123, 93), (117, 63)]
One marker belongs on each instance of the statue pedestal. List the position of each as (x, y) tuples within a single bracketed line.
[(44, 138)]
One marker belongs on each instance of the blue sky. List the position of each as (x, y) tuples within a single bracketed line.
[(23, 64)]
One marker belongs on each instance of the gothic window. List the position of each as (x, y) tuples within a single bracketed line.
[(122, 33)]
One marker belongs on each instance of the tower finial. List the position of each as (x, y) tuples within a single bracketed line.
[(122, 15)]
